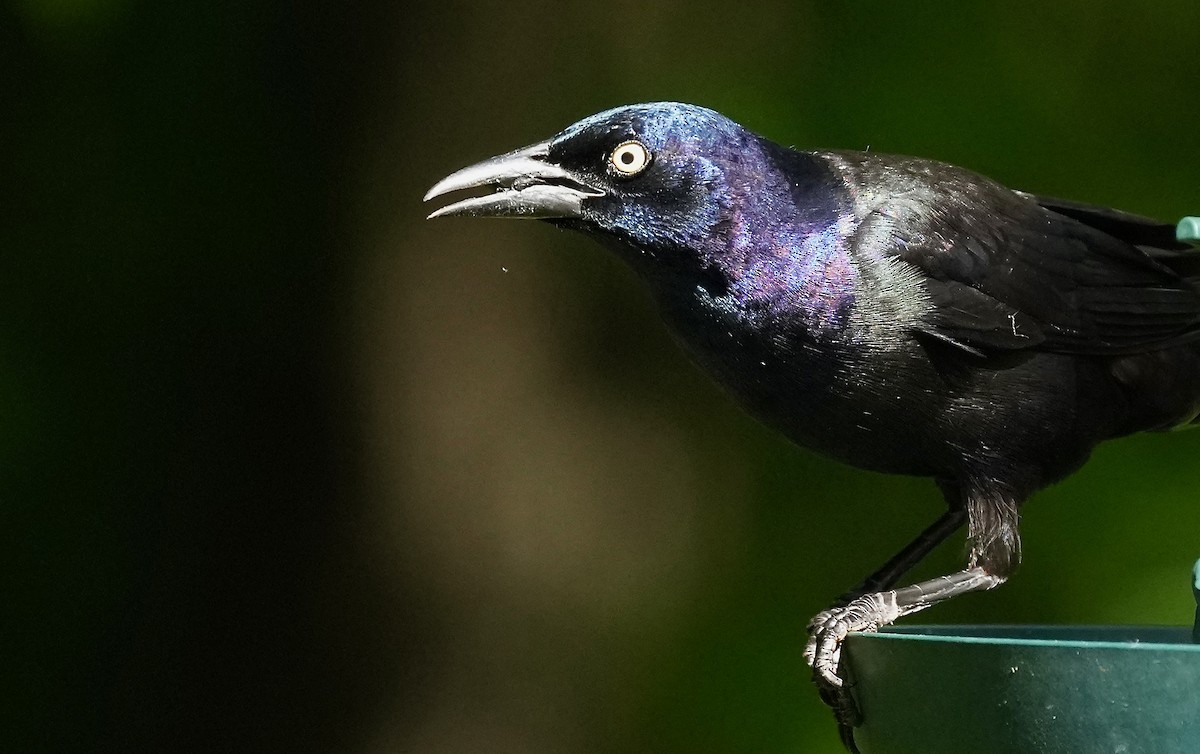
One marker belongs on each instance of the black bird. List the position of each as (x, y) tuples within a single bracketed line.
[(894, 313)]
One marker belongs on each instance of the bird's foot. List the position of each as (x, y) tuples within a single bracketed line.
[(823, 653), (829, 628)]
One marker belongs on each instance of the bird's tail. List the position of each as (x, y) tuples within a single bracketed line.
[(1168, 244)]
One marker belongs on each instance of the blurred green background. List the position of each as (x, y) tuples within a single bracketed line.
[(285, 467)]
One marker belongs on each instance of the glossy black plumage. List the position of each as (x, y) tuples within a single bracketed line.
[(897, 314)]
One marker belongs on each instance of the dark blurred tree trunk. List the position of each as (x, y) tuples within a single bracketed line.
[(177, 455)]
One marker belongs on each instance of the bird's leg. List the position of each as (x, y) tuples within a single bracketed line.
[(874, 604), (886, 576), (871, 612)]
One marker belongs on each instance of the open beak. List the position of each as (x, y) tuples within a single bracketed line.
[(526, 184)]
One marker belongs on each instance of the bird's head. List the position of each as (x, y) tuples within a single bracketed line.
[(666, 180)]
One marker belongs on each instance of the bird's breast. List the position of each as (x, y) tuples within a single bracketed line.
[(800, 368)]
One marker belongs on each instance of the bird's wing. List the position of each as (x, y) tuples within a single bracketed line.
[(1010, 271)]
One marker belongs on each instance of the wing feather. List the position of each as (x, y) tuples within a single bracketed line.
[(1008, 270)]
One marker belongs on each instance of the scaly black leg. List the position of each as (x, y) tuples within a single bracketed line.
[(902, 562), (875, 603)]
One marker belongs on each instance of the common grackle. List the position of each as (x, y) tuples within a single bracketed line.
[(894, 313)]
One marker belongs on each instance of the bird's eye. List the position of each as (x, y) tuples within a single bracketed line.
[(629, 158)]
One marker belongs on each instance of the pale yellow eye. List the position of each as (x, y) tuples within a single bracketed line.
[(630, 158)]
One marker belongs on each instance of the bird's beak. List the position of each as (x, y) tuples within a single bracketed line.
[(526, 183)]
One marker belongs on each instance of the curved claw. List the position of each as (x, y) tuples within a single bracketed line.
[(845, 713)]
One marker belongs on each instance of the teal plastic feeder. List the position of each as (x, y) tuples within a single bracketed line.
[(1188, 229), (1028, 689)]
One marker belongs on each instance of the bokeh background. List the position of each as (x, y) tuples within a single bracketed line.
[(285, 467)]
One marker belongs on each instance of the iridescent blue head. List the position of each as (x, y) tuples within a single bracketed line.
[(665, 170), (679, 188)]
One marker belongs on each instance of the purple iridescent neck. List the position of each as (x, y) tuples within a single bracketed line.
[(778, 246)]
